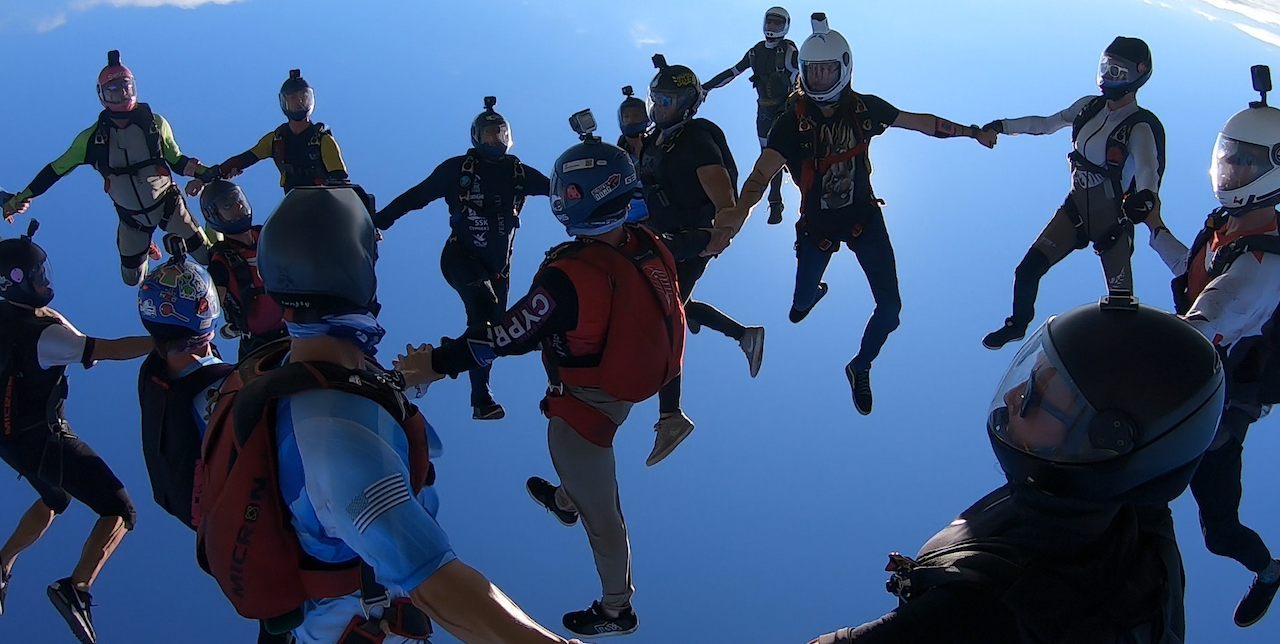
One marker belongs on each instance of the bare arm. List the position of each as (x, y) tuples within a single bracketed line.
[(942, 128), (472, 609), (718, 185), (753, 190), (122, 348)]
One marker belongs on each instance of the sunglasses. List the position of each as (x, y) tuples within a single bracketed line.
[(1032, 396)]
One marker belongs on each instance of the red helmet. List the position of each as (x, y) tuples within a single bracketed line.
[(116, 89)]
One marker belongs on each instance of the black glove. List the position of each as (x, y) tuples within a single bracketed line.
[(1139, 205), (214, 172), (997, 125)]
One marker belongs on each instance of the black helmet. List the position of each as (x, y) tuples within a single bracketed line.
[(225, 207), (317, 253), (297, 99), (633, 114), (498, 130), (1125, 66), (1102, 401), (674, 94), (24, 271)]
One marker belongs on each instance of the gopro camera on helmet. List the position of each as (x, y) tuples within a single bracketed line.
[(1261, 83), (583, 123), (490, 101), (660, 61)]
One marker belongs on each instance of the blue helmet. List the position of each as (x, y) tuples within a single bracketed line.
[(490, 133), (178, 301), (592, 184), (633, 114), (225, 207)]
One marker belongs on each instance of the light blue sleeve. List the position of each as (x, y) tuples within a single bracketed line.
[(357, 481)]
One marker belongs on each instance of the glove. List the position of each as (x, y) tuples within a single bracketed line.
[(997, 125), (1139, 205), (214, 172)]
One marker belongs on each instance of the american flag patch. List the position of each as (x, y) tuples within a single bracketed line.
[(377, 499)]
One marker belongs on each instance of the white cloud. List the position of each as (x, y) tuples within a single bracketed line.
[(643, 37), (53, 22), (43, 20), (1263, 17), (1269, 37)]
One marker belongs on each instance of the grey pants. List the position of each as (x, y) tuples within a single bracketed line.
[(133, 243), (589, 486)]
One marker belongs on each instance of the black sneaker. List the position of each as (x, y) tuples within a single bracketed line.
[(4, 589), (544, 494), (593, 623), (775, 212), (488, 411), (797, 315), (74, 604), (1255, 603), (1010, 332), (860, 381)]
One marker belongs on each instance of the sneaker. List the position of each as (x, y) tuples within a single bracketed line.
[(752, 344), (544, 494), (860, 382), (775, 212), (593, 623), (4, 589), (1255, 603), (74, 604), (1010, 332), (488, 411), (671, 430), (797, 315)]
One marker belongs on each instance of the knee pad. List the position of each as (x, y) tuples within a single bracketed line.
[(133, 268), (1034, 265)]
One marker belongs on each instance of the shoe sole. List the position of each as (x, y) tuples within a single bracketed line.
[(549, 510), (493, 415), (756, 358), (987, 346), (656, 458), (848, 374), (83, 632), (607, 634)]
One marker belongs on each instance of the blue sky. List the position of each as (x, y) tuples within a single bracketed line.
[(771, 523)]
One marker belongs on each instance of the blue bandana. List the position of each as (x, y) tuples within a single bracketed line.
[(361, 329)]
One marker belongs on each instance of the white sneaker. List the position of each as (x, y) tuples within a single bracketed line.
[(671, 430), (752, 344)]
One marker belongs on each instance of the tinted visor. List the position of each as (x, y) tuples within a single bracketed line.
[(119, 91), (1038, 410), (1237, 164), (497, 134), (821, 76), (41, 280), (230, 207)]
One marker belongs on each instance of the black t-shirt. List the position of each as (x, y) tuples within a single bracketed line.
[(842, 196), (672, 191)]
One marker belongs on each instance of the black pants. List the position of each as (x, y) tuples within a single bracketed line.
[(688, 273), (765, 117), (1217, 490), (874, 251), (484, 294), (947, 614), (62, 467)]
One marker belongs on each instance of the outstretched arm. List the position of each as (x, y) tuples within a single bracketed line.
[(49, 175), (725, 77), (754, 188), (1039, 124), (182, 164), (431, 188), (469, 606), (942, 128)]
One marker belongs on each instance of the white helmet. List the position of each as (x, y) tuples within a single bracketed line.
[(1245, 168), (786, 23), (826, 64)]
